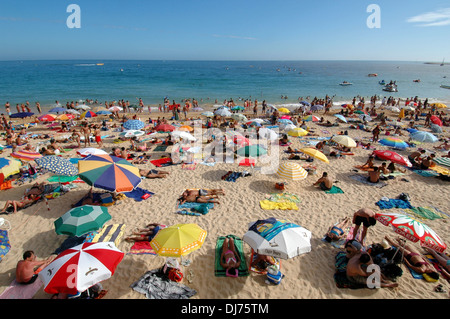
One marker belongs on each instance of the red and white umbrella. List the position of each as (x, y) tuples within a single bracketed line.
[(80, 267), (412, 229), (392, 156), (436, 120)]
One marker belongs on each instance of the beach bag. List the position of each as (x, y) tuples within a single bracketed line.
[(274, 275), (175, 274), (404, 196)]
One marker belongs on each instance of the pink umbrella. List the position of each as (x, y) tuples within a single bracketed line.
[(287, 117)]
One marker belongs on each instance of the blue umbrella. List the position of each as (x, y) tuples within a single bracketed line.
[(285, 121), (103, 113), (423, 137), (21, 115), (305, 103), (341, 117), (57, 165), (316, 107), (394, 142), (133, 125), (57, 110)]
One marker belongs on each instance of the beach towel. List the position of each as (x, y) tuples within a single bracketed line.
[(138, 193), (141, 248), (160, 148), (61, 178), (334, 190), (425, 213), (270, 205), (232, 177), (363, 179), (108, 233), (284, 197), (154, 285), (440, 170), (219, 271), (258, 270), (188, 166), (5, 244), (393, 203), (70, 242), (165, 161), (19, 291), (340, 275), (394, 174), (424, 172)]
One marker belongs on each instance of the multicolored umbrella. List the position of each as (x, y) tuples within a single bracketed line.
[(178, 240), (285, 121), (109, 172), (315, 153), (57, 165), (412, 229), (133, 125), (344, 140), (80, 267), (392, 156), (65, 117), (278, 238), (26, 155), (394, 142), (82, 220), (423, 137), (291, 171), (310, 118), (88, 114)]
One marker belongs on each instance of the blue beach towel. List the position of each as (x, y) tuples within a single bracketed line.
[(393, 203), (137, 194)]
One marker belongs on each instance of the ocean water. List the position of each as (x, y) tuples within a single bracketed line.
[(208, 81)]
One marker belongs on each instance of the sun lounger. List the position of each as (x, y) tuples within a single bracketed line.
[(219, 271)]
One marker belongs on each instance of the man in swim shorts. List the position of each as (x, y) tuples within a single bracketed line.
[(26, 268), (366, 217)]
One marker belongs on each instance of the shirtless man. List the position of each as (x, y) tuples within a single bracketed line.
[(98, 136), (366, 217), (26, 268), (86, 131), (374, 176), (324, 182), (8, 108), (201, 196)]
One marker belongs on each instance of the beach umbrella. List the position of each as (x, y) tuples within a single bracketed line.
[(247, 162), (21, 115), (65, 117), (287, 127), (241, 140), (57, 165), (183, 135), (305, 103), (72, 111), (47, 118), (223, 112), (5, 244), (239, 117), (435, 120), (394, 142), (365, 117), (88, 114), (287, 117), (291, 171), (285, 121), (439, 105), (344, 140), (237, 108), (9, 167), (131, 133), (283, 110), (267, 133), (298, 132), (423, 137), (442, 161), (310, 118), (82, 107), (393, 109), (103, 112), (208, 114), (392, 156), (115, 108), (194, 150), (186, 128), (436, 128), (341, 117), (178, 240), (412, 229), (251, 151), (349, 106), (109, 172), (316, 107), (82, 220), (78, 268), (97, 109), (254, 123), (278, 238), (165, 128), (315, 153), (26, 155), (134, 125), (57, 110), (91, 151), (197, 109)]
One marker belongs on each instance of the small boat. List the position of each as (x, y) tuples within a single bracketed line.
[(445, 86), (417, 81), (345, 83), (100, 63), (382, 82), (390, 88), (442, 64), (373, 74)]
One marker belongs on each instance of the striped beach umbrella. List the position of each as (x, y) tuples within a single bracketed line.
[(84, 152), (109, 172), (291, 171), (65, 117), (82, 220), (88, 114), (134, 125), (26, 155), (178, 240), (311, 118), (57, 165)]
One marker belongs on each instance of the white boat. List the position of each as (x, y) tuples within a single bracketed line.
[(345, 83), (390, 88)]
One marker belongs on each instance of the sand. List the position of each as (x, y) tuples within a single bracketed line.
[(308, 276)]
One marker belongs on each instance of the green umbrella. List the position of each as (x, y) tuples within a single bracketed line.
[(81, 220), (251, 151)]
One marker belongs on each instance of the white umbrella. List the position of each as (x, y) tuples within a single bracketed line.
[(268, 133), (91, 151), (131, 133), (288, 127), (239, 117), (183, 135), (115, 109), (82, 107), (223, 112), (278, 238), (393, 109), (72, 111)]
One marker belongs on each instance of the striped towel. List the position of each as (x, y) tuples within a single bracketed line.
[(112, 233)]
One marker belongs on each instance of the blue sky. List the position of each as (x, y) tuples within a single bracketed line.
[(226, 30)]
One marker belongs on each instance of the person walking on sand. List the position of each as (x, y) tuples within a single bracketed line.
[(366, 217), (86, 131), (98, 136), (38, 106)]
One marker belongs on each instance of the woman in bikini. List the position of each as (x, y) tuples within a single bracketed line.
[(336, 231), (18, 204), (229, 259)]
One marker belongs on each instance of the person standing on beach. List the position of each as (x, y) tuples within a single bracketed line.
[(98, 136), (366, 217), (8, 108), (18, 108), (86, 131), (38, 106)]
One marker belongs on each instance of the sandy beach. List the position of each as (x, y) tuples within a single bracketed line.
[(307, 276)]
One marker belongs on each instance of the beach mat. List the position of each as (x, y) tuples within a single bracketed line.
[(160, 148), (363, 179), (141, 248), (138, 193), (19, 291), (166, 161), (424, 172), (334, 190), (219, 271), (393, 203), (108, 233)]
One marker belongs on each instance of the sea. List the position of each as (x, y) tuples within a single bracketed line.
[(281, 83)]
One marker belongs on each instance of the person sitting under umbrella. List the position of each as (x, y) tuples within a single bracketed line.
[(414, 259), (229, 259)]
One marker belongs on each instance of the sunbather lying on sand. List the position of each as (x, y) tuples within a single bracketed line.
[(17, 204), (145, 234), (201, 195), (87, 199), (153, 173), (337, 231)]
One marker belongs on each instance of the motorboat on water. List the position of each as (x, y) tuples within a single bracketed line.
[(390, 88), (345, 83), (373, 74)]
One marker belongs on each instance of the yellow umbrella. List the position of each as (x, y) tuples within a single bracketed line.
[(439, 105), (65, 117), (12, 168), (284, 110), (178, 240), (186, 128), (344, 140), (298, 132), (315, 153), (402, 113), (292, 171)]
